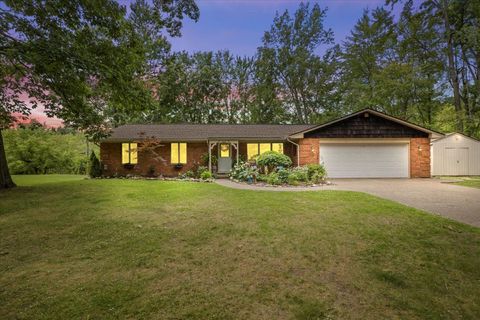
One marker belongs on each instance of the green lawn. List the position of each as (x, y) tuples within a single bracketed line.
[(32, 180), (132, 249), (473, 182)]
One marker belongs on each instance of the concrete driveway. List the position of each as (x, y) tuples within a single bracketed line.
[(432, 195), (452, 201)]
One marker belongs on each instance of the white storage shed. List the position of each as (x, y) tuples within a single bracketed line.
[(455, 155)]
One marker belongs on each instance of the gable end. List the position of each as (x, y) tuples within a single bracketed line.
[(366, 125)]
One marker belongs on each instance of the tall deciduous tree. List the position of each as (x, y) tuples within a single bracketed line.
[(288, 63), (369, 48), (79, 58), (457, 27)]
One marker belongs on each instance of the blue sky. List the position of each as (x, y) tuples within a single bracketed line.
[(238, 25)]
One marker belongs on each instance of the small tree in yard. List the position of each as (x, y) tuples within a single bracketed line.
[(94, 166)]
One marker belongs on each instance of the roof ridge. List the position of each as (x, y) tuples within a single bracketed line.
[(217, 124)]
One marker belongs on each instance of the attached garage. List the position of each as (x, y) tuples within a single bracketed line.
[(365, 160), (368, 144), (455, 155)]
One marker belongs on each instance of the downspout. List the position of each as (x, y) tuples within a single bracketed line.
[(298, 150), (209, 156)]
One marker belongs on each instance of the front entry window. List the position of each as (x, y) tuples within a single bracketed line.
[(224, 150)]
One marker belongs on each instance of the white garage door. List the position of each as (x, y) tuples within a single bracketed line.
[(365, 160)]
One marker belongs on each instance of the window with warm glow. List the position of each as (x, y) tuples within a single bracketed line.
[(178, 153), (129, 153), (278, 147), (224, 150), (264, 147), (254, 149)]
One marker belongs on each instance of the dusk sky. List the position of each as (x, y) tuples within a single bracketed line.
[(238, 25)]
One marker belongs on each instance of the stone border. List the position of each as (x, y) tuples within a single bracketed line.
[(266, 187)]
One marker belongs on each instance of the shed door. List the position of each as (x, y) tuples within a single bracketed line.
[(456, 161), (365, 160)]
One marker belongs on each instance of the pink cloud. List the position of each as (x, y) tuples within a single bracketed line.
[(37, 114)]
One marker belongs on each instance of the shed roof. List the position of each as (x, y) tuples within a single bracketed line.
[(452, 134)]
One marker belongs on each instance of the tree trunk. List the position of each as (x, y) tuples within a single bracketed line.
[(452, 68), (5, 178)]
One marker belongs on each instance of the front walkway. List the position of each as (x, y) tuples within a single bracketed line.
[(451, 201)]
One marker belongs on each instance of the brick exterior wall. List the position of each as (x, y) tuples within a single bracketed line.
[(309, 151), (420, 159), (111, 158)]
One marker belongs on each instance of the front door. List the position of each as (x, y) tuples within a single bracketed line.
[(224, 157)]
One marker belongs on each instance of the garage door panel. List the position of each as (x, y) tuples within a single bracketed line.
[(365, 160)]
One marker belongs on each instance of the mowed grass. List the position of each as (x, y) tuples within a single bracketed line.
[(31, 179), (473, 182), (130, 249)]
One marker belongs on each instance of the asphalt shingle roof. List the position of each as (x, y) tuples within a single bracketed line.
[(202, 132)]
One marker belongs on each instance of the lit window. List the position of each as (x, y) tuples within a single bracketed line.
[(264, 147), (224, 150), (129, 153), (178, 153), (278, 147), (254, 149)]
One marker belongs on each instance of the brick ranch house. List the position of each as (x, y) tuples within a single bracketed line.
[(364, 144)]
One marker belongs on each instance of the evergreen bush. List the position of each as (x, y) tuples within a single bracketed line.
[(94, 166)]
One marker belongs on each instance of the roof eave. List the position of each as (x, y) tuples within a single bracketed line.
[(448, 135), (269, 139)]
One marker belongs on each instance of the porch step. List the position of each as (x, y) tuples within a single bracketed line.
[(222, 175)]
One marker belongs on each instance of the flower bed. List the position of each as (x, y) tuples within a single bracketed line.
[(160, 178), (271, 175)]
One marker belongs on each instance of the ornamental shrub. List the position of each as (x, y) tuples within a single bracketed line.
[(272, 159), (188, 174), (292, 180), (205, 175), (94, 166), (316, 173), (242, 171), (283, 174), (273, 179), (204, 159), (299, 174), (262, 177), (200, 170)]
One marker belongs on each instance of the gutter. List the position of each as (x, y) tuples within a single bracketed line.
[(298, 150)]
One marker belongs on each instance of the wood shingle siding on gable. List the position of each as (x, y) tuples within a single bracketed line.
[(361, 126)]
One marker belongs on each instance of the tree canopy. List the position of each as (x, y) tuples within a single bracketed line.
[(395, 63), (82, 59)]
